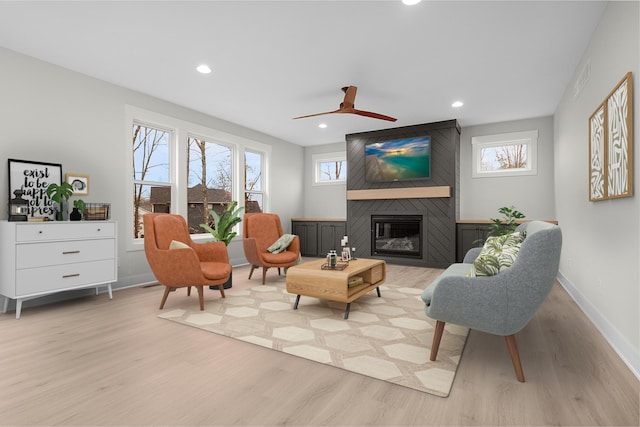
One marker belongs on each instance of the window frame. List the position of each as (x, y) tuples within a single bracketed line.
[(181, 130), (318, 159), (527, 138), (261, 192)]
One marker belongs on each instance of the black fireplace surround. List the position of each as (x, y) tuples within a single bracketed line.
[(396, 235)]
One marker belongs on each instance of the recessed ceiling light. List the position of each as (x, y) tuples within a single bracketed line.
[(457, 104), (410, 2), (204, 69), (322, 125)]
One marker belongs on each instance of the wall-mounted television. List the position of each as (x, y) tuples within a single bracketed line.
[(398, 159)]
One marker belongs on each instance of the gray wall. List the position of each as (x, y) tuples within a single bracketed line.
[(533, 195), (600, 255), (323, 201), (55, 115)]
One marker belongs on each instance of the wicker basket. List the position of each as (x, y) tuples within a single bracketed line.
[(96, 211)]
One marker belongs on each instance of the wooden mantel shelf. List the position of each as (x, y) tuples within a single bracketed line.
[(400, 193)]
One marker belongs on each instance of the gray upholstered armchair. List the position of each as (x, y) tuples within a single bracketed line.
[(501, 304)]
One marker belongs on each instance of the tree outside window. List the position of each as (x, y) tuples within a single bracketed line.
[(151, 176), (210, 181)]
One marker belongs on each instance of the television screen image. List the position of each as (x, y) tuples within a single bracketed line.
[(399, 159)]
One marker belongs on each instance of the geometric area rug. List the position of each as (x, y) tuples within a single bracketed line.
[(387, 338)]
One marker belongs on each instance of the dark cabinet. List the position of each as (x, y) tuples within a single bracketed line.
[(317, 238), (330, 234), (470, 235), (308, 233)]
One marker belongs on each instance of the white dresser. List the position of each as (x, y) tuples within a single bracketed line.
[(40, 258)]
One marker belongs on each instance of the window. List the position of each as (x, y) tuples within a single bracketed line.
[(151, 173), (509, 154), (189, 169), (209, 182), (330, 168), (253, 188)]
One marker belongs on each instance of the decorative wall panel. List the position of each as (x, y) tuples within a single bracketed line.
[(611, 145)]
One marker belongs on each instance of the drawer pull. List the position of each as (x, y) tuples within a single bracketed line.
[(70, 275), (70, 252)]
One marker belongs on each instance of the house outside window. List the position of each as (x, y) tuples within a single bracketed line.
[(508, 154), (210, 181), (330, 168)]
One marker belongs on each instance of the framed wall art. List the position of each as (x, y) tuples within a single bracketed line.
[(611, 145), (597, 155), (619, 140), (33, 178), (80, 183)]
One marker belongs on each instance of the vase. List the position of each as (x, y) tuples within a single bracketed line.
[(75, 215)]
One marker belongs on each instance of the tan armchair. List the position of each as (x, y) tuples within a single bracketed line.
[(261, 230), (192, 264)]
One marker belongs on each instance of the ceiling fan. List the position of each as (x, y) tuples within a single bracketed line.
[(347, 107)]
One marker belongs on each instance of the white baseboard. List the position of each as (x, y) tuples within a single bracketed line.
[(629, 355)]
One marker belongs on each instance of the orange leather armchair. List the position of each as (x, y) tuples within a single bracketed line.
[(261, 230), (194, 264)]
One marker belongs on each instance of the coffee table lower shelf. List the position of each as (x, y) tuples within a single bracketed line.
[(310, 280)]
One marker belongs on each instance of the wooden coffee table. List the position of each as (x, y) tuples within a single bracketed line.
[(311, 280)]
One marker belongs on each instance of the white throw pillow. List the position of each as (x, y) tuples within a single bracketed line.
[(178, 245)]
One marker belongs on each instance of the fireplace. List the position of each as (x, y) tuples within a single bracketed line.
[(396, 235)]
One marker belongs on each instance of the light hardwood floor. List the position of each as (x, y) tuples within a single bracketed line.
[(92, 361)]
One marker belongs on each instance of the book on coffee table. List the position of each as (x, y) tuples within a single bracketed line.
[(355, 281)]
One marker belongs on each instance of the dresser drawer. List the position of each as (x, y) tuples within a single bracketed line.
[(64, 231), (62, 277), (29, 255)]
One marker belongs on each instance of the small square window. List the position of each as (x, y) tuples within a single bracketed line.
[(330, 168), (508, 154)]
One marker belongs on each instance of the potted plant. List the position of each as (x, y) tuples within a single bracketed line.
[(78, 207), (506, 225), (60, 194), (222, 230)]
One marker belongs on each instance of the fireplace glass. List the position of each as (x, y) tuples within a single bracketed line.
[(396, 235)]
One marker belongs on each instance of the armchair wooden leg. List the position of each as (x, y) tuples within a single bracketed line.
[(264, 274), (253, 267), (221, 289), (188, 291), (278, 271), (201, 296), (167, 289), (437, 336), (515, 356)]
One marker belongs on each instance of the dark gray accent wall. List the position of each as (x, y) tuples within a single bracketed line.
[(439, 215)]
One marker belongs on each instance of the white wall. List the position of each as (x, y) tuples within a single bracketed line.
[(323, 201), (533, 195), (600, 255), (51, 114)]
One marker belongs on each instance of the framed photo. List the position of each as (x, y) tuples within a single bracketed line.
[(80, 183), (33, 178)]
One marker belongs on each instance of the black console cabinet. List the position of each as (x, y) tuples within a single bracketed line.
[(470, 235), (318, 237)]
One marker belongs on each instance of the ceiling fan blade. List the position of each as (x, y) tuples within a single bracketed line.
[(317, 114), (373, 115), (349, 96)]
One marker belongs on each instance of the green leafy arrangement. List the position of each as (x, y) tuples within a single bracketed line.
[(508, 224), (59, 192), (222, 229)]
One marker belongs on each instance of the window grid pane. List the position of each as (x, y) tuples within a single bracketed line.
[(210, 181)]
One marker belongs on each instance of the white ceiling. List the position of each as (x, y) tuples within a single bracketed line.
[(275, 60)]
